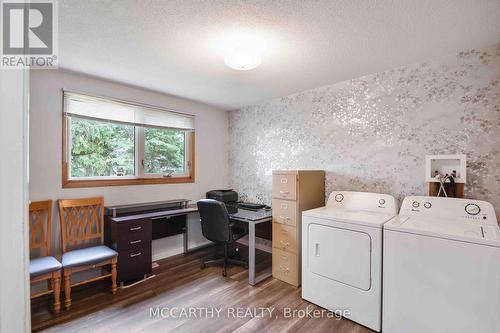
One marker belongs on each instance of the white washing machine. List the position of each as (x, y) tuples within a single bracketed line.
[(442, 267), (342, 254)]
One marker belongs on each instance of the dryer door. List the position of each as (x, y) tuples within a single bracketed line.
[(340, 254)]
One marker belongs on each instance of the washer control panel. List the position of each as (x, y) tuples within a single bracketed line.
[(417, 204), (472, 209), (451, 210)]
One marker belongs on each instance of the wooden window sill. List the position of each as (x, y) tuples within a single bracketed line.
[(125, 182)]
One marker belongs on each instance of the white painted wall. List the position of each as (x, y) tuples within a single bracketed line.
[(14, 280), (46, 142)]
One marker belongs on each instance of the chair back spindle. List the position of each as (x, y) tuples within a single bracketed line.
[(40, 220), (82, 220)]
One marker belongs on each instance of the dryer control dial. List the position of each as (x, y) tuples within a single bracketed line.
[(415, 204), (381, 201), (427, 204), (339, 197), (472, 209)]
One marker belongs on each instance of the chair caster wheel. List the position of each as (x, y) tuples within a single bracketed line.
[(203, 266), (224, 273)]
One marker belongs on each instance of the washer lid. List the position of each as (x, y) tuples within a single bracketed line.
[(474, 233), (460, 219), (366, 218)]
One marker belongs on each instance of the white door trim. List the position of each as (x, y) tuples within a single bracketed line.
[(14, 241)]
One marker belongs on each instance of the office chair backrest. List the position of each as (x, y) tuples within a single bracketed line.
[(214, 220)]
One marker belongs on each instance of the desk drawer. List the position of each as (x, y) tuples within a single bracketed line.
[(285, 211), (131, 244), (134, 263), (284, 237), (285, 267), (134, 230), (285, 186)]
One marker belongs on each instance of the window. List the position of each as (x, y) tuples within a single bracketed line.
[(164, 151), (101, 149), (110, 142)]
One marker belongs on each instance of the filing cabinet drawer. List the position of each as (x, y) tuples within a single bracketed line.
[(284, 237), (285, 186), (285, 266), (285, 211)]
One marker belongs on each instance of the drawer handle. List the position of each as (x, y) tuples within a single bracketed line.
[(135, 254), (135, 228), (284, 181), (284, 206), (316, 249), (136, 241), (285, 245), (284, 217), (284, 269), (284, 192)]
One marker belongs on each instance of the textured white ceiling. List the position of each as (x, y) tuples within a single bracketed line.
[(176, 46)]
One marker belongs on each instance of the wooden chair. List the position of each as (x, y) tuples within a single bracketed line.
[(44, 267), (82, 221)]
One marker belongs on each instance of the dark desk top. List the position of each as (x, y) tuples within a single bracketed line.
[(236, 213), (138, 208), (170, 212)]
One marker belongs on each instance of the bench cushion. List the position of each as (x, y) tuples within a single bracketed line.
[(89, 255), (43, 265)]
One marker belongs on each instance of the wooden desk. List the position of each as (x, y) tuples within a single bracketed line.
[(130, 230)]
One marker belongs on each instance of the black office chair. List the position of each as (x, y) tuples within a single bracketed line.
[(216, 226)]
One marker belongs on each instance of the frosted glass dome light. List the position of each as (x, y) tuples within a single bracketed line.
[(243, 58)]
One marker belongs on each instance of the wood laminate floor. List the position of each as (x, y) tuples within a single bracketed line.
[(181, 286)]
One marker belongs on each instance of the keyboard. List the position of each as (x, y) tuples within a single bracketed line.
[(251, 215), (250, 205)]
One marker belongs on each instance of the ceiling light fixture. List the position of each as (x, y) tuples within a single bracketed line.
[(243, 57)]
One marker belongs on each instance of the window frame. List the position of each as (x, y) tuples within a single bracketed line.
[(140, 177)]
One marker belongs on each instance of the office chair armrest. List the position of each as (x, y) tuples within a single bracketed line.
[(237, 231)]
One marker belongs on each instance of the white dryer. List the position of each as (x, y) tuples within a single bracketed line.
[(442, 267), (342, 254)]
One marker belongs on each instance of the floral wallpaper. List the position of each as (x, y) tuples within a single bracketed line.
[(372, 133)]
